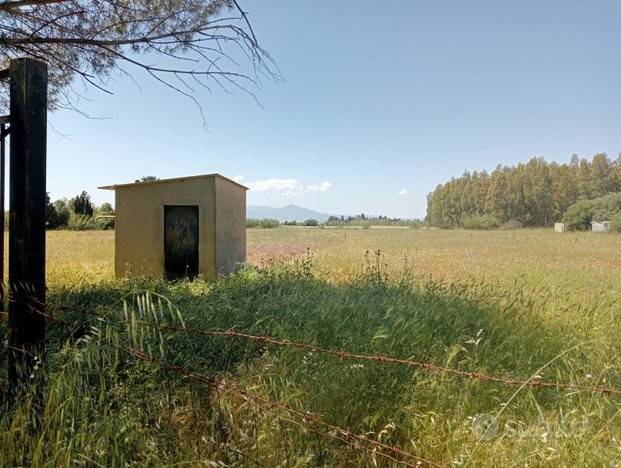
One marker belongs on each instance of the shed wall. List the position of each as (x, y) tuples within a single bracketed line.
[(230, 225), (139, 229)]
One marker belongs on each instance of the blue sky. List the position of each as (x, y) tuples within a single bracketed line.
[(381, 102)]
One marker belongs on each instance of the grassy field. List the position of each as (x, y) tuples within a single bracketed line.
[(520, 304), (583, 257)]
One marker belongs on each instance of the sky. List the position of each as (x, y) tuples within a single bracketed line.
[(380, 102)]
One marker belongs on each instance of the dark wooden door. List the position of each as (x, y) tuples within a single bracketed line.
[(180, 241)]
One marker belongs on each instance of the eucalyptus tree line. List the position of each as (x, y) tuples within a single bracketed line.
[(536, 193)]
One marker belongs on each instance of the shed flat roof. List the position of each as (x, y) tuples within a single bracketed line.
[(176, 179)]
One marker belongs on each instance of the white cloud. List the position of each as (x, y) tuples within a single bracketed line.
[(323, 187), (273, 184), (403, 191), (288, 187), (292, 193)]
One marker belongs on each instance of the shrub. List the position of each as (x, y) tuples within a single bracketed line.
[(578, 216), (480, 222), (262, 223), (252, 223), (269, 223), (606, 207), (310, 222), (105, 223), (291, 223), (511, 224), (88, 223), (615, 225)]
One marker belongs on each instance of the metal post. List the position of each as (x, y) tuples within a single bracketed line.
[(3, 135), (28, 105)]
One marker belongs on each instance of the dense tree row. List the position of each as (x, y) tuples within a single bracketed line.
[(78, 213), (533, 194), (366, 220)]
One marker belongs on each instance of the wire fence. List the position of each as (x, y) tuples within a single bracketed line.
[(533, 382), (300, 418), (308, 418)]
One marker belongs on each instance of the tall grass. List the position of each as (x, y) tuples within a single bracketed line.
[(104, 407)]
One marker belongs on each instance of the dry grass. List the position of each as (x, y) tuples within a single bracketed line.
[(580, 262), (514, 303), (580, 265), (574, 268), (75, 257)]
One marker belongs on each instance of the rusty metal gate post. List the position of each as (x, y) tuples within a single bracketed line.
[(28, 119)]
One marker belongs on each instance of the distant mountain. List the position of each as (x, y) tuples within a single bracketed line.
[(285, 213)]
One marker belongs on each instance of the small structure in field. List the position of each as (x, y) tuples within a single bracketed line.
[(603, 226), (559, 227), (180, 227)]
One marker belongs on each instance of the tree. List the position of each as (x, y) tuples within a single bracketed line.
[(106, 209), (533, 194), (602, 177), (148, 178), (62, 210), (51, 217), (182, 44), (82, 204), (56, 214), (578, 216)]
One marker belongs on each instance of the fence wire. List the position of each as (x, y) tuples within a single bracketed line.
[(342, 434), (300, 418), (379, 358)]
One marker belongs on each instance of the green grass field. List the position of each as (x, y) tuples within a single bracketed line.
[(518, 304)]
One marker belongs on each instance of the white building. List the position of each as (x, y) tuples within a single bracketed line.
[(603, 226)]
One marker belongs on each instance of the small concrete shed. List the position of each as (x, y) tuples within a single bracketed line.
[(603, 226), (181, 227)]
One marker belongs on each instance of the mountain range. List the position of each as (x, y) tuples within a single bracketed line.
[(285, 213)]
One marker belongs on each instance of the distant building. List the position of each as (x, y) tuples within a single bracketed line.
[(603, 226), (559, 227), (180, 227)]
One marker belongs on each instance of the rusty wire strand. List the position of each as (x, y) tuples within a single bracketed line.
[(393, 360), (343, 354), (274, 404)]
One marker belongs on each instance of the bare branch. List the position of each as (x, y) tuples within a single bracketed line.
[(168, 41)]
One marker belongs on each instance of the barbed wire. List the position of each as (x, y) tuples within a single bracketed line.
[(304, 419), (533, 382), (274, 404), (393, 360)]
